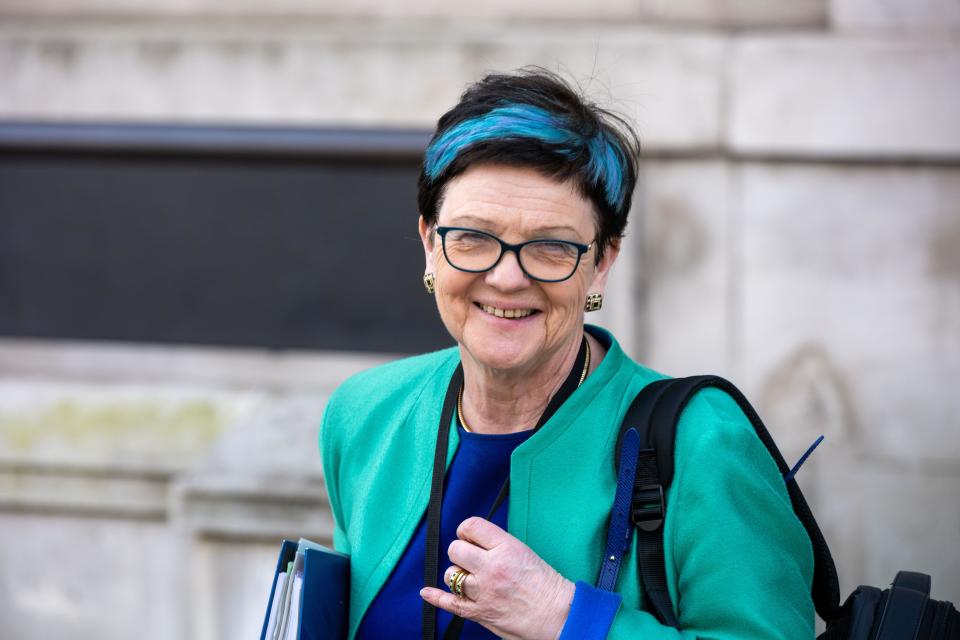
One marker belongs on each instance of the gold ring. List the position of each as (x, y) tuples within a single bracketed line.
[(456, 582)]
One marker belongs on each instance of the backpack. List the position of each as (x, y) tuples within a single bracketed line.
[(644, 464)]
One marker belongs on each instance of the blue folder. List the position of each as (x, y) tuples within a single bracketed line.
[(324, 599)]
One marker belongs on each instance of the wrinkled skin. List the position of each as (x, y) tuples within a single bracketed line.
[(510, 590)]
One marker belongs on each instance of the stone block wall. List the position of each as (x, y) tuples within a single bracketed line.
[(796, 229), (144, 490)]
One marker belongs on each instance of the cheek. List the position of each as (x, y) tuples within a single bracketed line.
[(566, 307), (451, 280), (452, 286)]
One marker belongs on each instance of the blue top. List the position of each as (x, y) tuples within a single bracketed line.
[(474, 478)]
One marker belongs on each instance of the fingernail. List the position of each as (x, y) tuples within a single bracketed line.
[(423, 592)]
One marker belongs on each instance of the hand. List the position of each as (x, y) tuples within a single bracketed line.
[(510, 590)]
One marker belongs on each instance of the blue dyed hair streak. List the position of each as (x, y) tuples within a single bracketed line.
[(606, 163)]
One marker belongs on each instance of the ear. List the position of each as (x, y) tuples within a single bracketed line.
[(602, 272), (428, 237)]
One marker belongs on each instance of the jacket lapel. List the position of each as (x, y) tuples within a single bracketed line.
[(407, 464)]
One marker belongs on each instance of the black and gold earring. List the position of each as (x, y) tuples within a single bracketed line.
[(594, 302), (429, 282)]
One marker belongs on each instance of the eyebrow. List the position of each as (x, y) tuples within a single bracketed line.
[(485, 224)]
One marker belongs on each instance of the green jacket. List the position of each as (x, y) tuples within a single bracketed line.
[(739, 563)]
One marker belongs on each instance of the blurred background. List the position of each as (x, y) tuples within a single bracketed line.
[(207, 221)]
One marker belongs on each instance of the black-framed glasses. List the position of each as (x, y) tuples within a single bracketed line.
[(476, 251)]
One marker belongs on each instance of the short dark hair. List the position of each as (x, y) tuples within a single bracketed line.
[(534, 118)]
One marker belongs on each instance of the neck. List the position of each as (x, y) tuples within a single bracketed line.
[(498, 401)]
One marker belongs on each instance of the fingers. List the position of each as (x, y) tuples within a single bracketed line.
[(448, 602), (507, 588), (466, 555), (482, 533), (476, 537), (468, 584)]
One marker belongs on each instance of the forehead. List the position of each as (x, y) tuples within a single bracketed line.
[(515, 200)]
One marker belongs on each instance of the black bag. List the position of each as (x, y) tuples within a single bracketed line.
[(904, 611)]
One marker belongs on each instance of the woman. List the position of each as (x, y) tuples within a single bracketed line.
[(523, 197)]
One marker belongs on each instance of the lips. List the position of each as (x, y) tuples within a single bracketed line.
[(511, 314)]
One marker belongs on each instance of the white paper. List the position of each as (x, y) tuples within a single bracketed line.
[(275, 604), (293, 626), (282, 613)]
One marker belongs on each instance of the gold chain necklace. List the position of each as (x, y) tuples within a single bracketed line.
[(463, 423)]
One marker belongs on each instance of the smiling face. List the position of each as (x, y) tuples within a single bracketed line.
[(502, 319)]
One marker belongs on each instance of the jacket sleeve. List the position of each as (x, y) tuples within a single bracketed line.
[(331, 432), (739, 562), (591, 613)]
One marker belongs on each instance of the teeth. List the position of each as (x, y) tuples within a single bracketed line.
[(506, 313)]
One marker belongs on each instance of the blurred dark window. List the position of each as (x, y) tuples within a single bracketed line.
[(265, 237)]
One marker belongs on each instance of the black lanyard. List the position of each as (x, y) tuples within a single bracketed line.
[(431, 560)]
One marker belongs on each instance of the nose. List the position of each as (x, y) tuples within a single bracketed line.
[(507, 275)]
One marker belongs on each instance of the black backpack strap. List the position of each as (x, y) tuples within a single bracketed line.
[(905, 606), (648, 506), (656, 420), (913, 580)]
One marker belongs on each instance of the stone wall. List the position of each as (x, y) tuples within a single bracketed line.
[(144, 490), (796, 228)]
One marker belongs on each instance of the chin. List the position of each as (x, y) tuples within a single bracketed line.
[(501, 352), (498, 362), (498, 343)]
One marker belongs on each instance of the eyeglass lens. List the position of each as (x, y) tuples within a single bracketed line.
[(542, 259)]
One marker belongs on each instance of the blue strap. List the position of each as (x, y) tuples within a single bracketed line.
[(789, 476), (620, 530)]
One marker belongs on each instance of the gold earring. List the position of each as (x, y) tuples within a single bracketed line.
[(594, 302), (429, 282)]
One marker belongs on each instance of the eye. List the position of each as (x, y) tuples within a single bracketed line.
[(559, 247), (556, 249), (471, 236), (469, 240)]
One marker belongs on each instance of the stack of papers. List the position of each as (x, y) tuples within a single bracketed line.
[(309, 595)]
